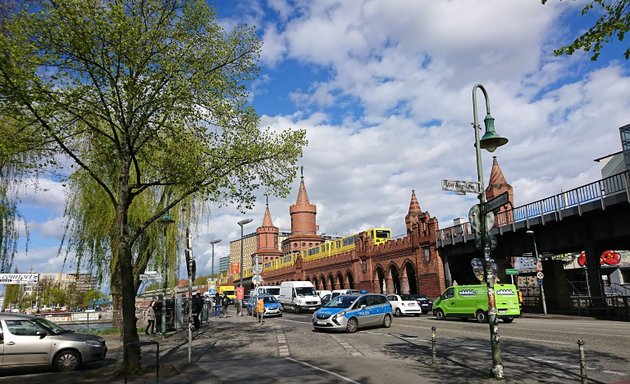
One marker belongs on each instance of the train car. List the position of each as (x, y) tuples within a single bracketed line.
[(334, 247)]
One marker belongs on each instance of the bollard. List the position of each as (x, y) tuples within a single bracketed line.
[(433, 348), (583, 377)]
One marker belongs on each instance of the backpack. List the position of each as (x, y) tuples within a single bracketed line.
[(225, 300)]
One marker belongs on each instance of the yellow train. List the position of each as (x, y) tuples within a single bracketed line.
[(334, 247), (330, 248)]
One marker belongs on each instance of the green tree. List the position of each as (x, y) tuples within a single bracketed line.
[(12, 293), (58, 297), (614, 21), (91, 296), (149, 99)]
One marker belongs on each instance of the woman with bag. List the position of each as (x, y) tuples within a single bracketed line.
[(149, 314)]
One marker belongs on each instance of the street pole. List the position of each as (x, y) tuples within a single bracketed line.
[(540, 283), (165, 220), (213, 242), (490, 142), (240, 281)]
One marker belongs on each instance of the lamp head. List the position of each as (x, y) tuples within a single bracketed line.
[(491, 140), (213, 242), (245, 221)]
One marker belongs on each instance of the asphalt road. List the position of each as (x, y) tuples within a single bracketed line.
[(286, 350)]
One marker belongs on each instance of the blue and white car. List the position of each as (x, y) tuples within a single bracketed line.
[(351, 312), (272, 306)]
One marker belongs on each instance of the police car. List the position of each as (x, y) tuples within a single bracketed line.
[(351, 312)]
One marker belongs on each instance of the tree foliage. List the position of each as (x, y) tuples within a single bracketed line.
[(614, 21), (148, 98)]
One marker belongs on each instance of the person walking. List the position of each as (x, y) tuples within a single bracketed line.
[(149, 314), (217, 305), (197, 305), (260, 309), (225, 302)]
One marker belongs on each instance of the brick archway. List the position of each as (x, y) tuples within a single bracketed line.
[(349, 280), (409, 278), (378, 280)]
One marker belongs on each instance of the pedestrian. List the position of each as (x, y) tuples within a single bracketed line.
[(197, 305), (217, 305), (225, 302), (157, 308), (260, 309), (149, 314)]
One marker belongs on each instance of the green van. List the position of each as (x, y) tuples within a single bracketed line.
[(465, 301)]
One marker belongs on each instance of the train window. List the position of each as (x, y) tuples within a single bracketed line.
[(382, 234)]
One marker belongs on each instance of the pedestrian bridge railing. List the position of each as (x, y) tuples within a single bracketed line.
[(555, 207)]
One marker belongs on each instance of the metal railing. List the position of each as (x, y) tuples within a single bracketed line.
[(573, 199)]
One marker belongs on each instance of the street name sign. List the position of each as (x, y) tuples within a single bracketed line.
[(461, 187), (19, 278), (511, 271), (497, 202)]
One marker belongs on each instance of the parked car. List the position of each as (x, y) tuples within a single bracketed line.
[(326, 298), (404, 305), (426, 304), (272, 306), (351, 312), (27, 340)]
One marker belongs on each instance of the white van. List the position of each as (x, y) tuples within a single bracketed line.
[(299, 296), (271, 290)]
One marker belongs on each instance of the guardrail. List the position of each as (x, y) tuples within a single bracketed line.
[(557, 204)]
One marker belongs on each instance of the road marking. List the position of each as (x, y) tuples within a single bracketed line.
[(283, 348), (349, 380)]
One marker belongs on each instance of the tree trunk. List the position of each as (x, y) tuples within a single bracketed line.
[(131, 351)]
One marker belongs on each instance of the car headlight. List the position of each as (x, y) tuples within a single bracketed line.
[(340, 314), (93, 343)]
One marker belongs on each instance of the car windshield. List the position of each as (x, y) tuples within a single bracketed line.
[(270, 299), (305, 291), (343, 301), (50, 326)]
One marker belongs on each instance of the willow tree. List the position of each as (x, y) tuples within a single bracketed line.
[(148, 98)]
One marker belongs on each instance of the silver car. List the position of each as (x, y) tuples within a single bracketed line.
[(27, 340)]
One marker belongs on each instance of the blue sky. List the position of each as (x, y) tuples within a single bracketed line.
[(384, 90)]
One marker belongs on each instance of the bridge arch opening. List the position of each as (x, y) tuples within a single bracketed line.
[(378, 281), (409, 283), (340, 284), (349, 280), (394, 286)]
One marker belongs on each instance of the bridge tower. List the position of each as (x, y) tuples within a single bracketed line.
[(267, 239), (303, 224)]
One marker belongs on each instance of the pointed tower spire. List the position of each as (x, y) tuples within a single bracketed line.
[(413, 216), (496, 186), (303, 223), (267, 237)]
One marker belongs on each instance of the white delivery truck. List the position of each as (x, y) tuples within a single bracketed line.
[(299, 296)]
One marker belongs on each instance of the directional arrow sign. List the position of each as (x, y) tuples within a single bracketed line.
[(497, 202)]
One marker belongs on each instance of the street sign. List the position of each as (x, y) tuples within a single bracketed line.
[(461, 187), (150, 276), (257, 279), (540, 275), (497, 202), (511, 271)]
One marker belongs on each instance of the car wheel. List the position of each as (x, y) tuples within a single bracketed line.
[(439, 314), (387, 321), (481, 316), (352, 326), (507, 319), (67, 361), (397, 312)]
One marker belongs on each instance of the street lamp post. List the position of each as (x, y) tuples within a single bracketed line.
[(213, 242), (537, 257), (240, 281), (165, 220), (490, 141)]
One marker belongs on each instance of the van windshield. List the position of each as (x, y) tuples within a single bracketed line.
[(305, 291), (272, 291)]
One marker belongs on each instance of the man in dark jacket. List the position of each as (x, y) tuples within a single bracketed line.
[(225, 302), (197, 306)]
